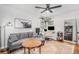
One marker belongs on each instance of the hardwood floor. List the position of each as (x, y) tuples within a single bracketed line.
[(76, 48)]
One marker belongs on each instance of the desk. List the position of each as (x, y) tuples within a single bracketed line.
[(31, 43)]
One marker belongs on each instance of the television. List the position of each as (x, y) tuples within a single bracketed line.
[(50, 27)]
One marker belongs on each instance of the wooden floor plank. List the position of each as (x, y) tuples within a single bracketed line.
[(76, 49)]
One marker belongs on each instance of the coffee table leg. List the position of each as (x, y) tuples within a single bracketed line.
[(40, 50), (28, 50), (24, 50)]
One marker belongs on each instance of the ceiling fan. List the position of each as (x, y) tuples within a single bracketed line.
[(48, 8)]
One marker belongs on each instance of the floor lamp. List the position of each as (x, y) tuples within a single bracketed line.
[(8, 24)]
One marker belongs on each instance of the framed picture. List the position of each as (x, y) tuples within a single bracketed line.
[(22, 23)]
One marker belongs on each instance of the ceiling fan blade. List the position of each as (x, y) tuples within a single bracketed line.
[(56, 7), (50, 10), (43, 10), (39, 7)]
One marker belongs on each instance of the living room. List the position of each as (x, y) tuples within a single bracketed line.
[(58, 24)]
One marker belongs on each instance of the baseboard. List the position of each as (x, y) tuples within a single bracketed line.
[(2, 48), (71, 42)]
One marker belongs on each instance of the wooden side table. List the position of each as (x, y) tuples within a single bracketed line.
[(31, 43)]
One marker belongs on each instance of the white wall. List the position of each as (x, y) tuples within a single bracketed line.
[(8, 14), (72, 16)]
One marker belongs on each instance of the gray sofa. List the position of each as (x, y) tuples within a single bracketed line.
[(15, 40)]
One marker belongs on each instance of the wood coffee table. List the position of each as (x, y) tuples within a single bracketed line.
[(31, 43)]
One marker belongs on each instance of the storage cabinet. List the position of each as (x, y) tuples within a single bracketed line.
[(68, 30)]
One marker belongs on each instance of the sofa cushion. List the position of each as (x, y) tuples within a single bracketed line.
[(18, 42), (24, 35), (30, 34), (13, 37), (16, 46), (16, 39)]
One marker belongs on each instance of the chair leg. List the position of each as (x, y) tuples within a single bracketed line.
[(9, 51), (24, 50)]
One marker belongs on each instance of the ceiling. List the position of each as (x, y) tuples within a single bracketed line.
[(30, 8)]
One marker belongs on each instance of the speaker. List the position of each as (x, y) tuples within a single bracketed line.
[(37, 30), (45, 29)]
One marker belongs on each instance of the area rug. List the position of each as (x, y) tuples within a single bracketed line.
[(51, 47)]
